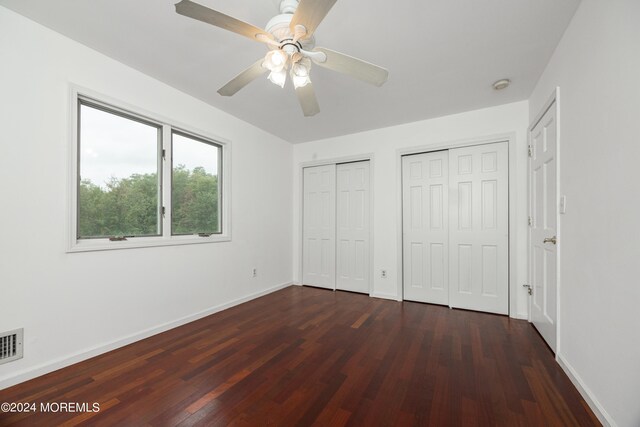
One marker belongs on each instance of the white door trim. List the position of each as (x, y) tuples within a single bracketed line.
[(552, 102), (510, 138), (336, 160)]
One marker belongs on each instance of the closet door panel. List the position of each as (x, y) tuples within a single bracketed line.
[(479, 228), (319, 227), (425, 220), (353, 227)]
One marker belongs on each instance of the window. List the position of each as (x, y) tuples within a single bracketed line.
[(195, 186), (140, 181), (119, 178)]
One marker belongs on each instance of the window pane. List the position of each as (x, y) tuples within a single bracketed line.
[(119, 185), (195, 206)]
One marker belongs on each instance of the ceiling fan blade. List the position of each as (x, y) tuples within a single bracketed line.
[(353, 67), (310, 13), (213, 17), (243, 79), (307, 98)]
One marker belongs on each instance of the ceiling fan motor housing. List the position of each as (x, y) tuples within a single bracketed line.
[(279, 25)]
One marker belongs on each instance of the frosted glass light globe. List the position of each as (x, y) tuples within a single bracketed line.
[(275, 60), (300, 73), (300, 81), (300, 70), (278, 77)]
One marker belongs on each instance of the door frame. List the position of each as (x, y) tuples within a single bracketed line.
[(336, 161), (552, 102), (510, 139)]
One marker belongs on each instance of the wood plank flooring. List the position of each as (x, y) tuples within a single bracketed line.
[(303, 356)]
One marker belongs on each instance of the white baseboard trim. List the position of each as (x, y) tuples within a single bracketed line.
[(586, 393), (45, 368)]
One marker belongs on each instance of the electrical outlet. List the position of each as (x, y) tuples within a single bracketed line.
[(255, 272), (383, 274)]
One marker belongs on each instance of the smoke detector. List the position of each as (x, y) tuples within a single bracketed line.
[(501, 84)]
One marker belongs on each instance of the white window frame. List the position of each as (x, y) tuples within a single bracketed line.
[(167, 125)]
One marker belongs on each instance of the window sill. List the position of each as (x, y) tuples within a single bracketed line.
[(143, 242)]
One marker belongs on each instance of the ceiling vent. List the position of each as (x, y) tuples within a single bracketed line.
[(11, 346)]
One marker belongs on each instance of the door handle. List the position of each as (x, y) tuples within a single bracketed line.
[(550, 240)]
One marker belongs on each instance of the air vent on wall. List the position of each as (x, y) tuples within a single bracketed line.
[(11, 346)]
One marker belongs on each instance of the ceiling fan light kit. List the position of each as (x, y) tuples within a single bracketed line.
[(291, 43)]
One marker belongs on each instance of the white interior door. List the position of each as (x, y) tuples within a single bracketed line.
[(319, 227), (425, 227), (353, 222), (479, 228), (542, 251)]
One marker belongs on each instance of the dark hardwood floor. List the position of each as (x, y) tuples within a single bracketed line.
[(304, 356)]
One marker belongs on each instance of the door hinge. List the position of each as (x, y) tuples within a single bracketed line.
[(164, 153), (530, 222), (529, 289), (163, 210), (530, 151)]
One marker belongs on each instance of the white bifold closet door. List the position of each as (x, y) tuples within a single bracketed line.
[(479, 228), (319, 227), (425, 222), (353, 226), (455, 227)]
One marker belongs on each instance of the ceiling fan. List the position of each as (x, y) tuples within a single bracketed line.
[(289, 37)]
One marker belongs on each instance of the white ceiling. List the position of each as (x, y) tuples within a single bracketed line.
[(442, 55)]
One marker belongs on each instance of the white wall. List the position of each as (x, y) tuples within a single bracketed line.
[(384, 145), (71, 303), (597, 67)]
